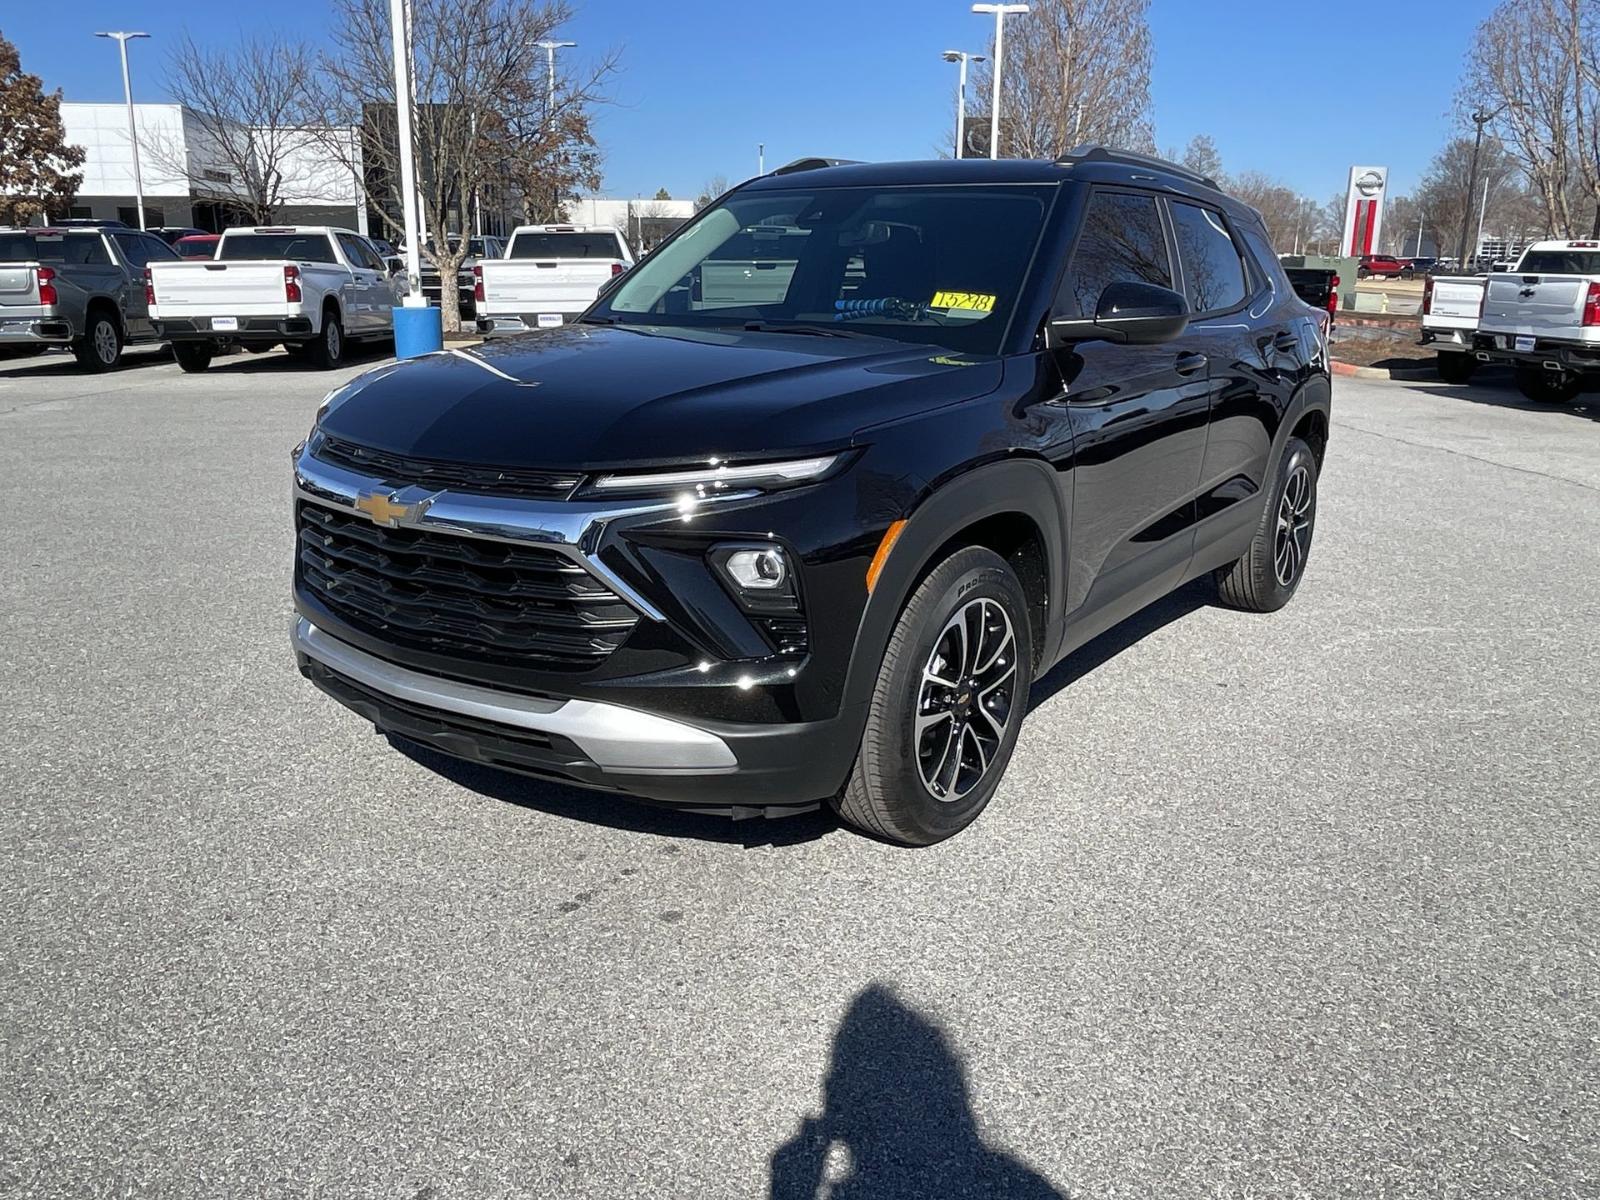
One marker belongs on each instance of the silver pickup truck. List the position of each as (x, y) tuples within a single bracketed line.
[(1543, 318), (78, 288)]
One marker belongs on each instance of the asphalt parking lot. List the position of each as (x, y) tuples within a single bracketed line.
[(1294, 906)]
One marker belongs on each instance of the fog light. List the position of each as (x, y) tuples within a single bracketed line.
[(758, 570)]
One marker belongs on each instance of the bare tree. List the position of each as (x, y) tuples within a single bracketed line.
[(1201, 156), (1535, 66), (1443, 196), (710, 190), (1283, 210), (246, 102), (1075, 71), (481, 93)]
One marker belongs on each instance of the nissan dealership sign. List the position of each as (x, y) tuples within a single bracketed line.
[(1363, 209)]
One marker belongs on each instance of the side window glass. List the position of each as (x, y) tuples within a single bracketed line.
[(89, 250), (133, 249), (155, 250), (1266, 266), (1213, 274), (1122, 242), (354, 251)]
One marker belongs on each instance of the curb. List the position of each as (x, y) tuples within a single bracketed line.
[(1395, 373)]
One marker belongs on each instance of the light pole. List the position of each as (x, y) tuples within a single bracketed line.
[(761, 158), (123, 38), (1480, 119), (1483, 209), (400, 19), (550, 49), (962, 57), (1000, 11)]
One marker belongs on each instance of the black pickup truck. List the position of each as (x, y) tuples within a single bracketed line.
[(803, 523), (1318, 287)]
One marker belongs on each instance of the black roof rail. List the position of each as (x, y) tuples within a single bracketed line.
[(1095, 152), (814, 164)]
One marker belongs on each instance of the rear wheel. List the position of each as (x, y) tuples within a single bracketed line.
[(1454, 366), (327, 351), (951, 694), (1266, 577), (1548, 387), (100, 347), (193, 357)]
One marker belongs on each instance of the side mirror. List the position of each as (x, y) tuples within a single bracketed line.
[(1130, 314)]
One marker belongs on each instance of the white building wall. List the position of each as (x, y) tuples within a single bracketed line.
[(102, 130)]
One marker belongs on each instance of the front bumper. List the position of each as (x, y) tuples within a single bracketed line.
[(611, 747), (34, 331), (1552, 354), (250, 329)]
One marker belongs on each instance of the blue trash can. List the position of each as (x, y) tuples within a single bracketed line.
[(417, 331)]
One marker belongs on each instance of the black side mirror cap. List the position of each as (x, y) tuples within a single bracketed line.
[(1129, 313)]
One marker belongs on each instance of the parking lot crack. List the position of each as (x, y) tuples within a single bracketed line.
[(1389, 437)]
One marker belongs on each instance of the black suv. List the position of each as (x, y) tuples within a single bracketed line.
[(800, 508)]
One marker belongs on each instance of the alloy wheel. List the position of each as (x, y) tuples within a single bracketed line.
[(964, 701), (1294, 526), (105, 342)]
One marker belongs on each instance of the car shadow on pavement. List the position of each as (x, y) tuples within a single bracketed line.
[(615, 811), (53, 365), (242, 362), (1192, 596), (897, 1120), (1496, 395)]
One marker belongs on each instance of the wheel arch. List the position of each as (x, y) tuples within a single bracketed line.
[(1308, 416), (1014, 508)]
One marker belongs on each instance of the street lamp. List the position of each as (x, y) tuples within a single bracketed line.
[(962, 57), (123, 38), (1480, 119), (1000, 11), (550, 49)]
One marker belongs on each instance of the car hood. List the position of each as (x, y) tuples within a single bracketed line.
[(590, 397)]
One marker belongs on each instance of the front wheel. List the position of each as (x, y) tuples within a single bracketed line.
[(1548, 387), (193, 357), (1266, 577), (951, 694), (327, 351), (1455, 367)]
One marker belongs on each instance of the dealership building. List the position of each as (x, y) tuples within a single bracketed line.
[(186, 180)]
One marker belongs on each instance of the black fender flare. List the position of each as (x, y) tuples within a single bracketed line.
[(1027, 486), (1314, 395)]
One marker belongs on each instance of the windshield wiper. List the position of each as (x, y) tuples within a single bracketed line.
[(808, 330)]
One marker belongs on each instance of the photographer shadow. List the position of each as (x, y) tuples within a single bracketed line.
[(898, 1111)]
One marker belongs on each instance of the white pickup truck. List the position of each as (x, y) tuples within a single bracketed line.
[(311, 288), (1451, 305), (1543, 317), (549, 274)]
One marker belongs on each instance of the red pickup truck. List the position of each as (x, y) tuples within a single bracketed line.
[(1384, 266)]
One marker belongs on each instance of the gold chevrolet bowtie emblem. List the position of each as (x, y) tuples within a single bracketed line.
[(383, 509)]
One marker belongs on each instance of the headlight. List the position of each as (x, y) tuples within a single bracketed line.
[(716, 477)]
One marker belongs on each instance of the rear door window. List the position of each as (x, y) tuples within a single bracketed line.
[(358, 254), (1122, 241), (1213, 273)]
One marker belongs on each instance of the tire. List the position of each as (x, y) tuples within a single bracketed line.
[(193, 357), (1363, 273), (100, 348), (1548, 387), (1455, 367), (973, 607), (1265, 578), (328, 349)]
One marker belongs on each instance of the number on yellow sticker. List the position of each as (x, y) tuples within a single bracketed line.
[(970, 301)]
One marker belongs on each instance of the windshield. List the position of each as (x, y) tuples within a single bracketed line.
[(936, 265), (1560, 262), (565, 245), (303, 247)]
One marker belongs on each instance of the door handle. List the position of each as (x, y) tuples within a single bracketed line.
[(1189, 364)]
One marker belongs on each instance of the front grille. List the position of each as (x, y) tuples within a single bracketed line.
[(465, 597), (431, 473)]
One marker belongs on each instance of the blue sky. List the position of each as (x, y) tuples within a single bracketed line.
[(1279, 86)]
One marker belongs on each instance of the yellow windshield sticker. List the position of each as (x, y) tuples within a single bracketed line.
[(969, 301)]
